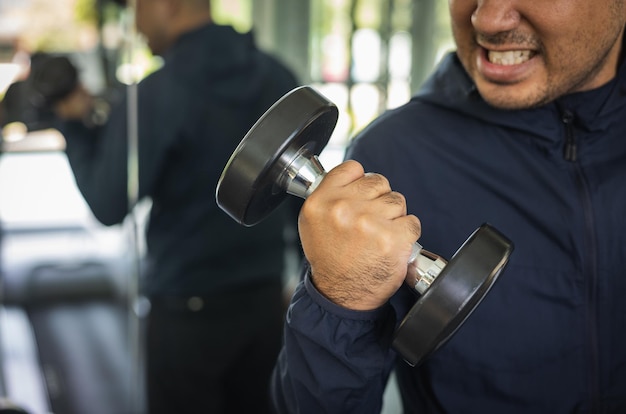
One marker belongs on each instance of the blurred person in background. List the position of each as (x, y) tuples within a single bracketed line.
[(215, 287)]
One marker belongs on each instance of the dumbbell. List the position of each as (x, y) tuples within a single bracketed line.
[(52, 79), (279, 156)]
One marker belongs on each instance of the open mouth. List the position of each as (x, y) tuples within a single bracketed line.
[(509, 57)]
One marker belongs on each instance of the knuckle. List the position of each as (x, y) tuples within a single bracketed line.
[(395, 198), (363, 225), (340, 212), (374, 181), (311, 208)]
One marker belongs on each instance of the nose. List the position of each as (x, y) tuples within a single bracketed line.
[(495, 16)]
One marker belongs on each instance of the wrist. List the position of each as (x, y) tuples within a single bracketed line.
[(339, 310), (356, 298)]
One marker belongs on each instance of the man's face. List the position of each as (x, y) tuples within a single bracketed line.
[(525, 53), (151, 21)]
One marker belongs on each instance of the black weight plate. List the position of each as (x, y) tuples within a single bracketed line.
[(247, 189), (454, 294)]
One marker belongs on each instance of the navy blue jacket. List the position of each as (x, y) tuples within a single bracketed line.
[(550, 337), (192, 113)]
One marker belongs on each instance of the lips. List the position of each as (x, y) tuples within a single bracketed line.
[(506, 66)]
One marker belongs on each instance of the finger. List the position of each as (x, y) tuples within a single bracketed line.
[(343, 174), (354, 182), (370, 186), (409, 231), (381, 209), (394, 204), (413, 224)]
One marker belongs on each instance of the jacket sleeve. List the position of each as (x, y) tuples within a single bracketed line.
[(333, 360), (97, 156)]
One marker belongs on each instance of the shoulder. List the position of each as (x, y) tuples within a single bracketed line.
[(412, 122)]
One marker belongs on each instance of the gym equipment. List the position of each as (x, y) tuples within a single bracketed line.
[(52, 79), (279, 156)]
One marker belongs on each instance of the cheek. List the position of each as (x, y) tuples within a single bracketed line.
[(461, 23), (567, 28), (566, 49), (560, 53), (461, 13)]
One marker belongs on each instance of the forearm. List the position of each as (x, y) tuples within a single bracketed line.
[(333, 359), (98, 161)]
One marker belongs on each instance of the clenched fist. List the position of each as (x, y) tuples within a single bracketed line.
[(77, 105), (357, 237)]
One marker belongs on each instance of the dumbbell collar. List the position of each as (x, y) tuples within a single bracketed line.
[(303, 174)]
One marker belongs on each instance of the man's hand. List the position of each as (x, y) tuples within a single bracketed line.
[(357, 237), (77, 105)]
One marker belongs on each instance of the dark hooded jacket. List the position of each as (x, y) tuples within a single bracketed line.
[(550, 337), (191, 115)]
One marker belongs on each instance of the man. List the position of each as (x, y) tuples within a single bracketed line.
[(523, 127), (215, 325)]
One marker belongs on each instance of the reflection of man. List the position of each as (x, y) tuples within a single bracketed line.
[(215, 287)]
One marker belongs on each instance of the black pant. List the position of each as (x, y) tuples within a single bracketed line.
[(217, 359)]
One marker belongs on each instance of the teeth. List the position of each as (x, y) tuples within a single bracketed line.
[(512, 57)]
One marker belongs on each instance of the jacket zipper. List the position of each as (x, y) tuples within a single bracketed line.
[(570, 154), (570, 149)]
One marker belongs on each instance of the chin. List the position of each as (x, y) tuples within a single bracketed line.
[(508, 105), (510, 98)]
